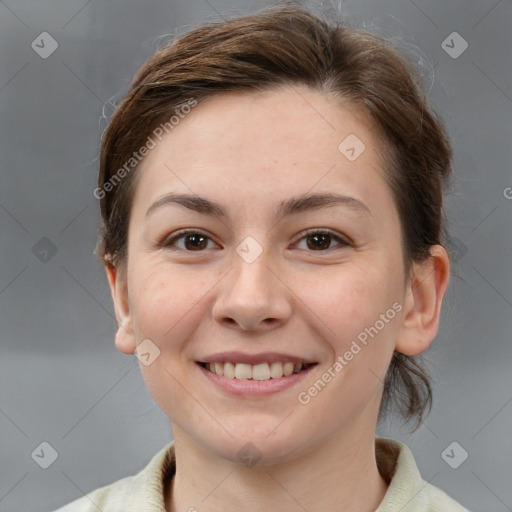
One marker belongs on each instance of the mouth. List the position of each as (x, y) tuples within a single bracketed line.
[(258, 372)]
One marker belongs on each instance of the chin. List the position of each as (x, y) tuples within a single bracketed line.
[(258, 448)]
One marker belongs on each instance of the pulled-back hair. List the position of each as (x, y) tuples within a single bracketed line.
[(288, 45)]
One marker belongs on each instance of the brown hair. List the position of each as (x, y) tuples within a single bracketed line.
[(281, 46)]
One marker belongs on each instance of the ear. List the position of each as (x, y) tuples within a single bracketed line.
[(117, 279), (422, 303)]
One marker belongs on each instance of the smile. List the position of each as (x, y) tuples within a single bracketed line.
[(261, 372)]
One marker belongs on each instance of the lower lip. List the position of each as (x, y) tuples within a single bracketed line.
[(254, 387)]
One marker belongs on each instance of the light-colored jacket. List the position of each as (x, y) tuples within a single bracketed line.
[(144, 492)]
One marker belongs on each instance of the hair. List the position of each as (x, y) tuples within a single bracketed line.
[(280, 46)]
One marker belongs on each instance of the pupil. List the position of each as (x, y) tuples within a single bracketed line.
[(197, 238), (321, 245), (321, 241)]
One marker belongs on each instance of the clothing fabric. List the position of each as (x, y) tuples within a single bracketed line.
[(144, 492)]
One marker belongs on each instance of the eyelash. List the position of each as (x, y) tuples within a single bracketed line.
[(168, 242)]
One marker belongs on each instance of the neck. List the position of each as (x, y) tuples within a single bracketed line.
[(339, 474)]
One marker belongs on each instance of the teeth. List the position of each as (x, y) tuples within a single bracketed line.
[(288, 369), (263, 371), (219, 368), (276, 370), (243, 371), (229, 370)]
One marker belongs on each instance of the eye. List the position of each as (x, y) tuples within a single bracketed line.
[(196, 241), (320, 239), (193, 240)]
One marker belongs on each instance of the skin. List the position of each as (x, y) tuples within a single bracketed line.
[(250, 152)]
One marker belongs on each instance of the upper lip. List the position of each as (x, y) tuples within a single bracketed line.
[(264, 357)]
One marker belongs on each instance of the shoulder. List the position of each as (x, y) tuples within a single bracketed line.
[(109, 495), (407, 490), (143, 491), (439, 501)]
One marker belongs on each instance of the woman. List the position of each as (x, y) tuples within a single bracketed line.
[(271, 199)]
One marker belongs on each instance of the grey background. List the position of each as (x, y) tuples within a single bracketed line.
[(62, 380)]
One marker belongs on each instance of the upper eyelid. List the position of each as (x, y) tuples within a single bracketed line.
[(325, 231)]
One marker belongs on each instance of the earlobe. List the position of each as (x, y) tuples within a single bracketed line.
[(125, 339), (423, 301)]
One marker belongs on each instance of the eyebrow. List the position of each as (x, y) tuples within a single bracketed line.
[(291, 206)]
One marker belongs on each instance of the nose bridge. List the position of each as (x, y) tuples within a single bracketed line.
[(251, 275), (251, 295)]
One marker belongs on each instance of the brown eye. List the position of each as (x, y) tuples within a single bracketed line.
[(192, 241), (320, 240), (195, 241)]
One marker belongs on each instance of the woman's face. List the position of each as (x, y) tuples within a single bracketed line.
[(255, 283)]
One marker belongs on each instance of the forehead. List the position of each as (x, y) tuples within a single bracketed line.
[(244, 146)]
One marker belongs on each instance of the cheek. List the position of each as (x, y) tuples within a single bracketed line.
[(358, 310), (350, 299), (166, 309), (359, 319), (165, 299)]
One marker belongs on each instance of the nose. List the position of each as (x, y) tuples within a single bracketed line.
[(252, 297)]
